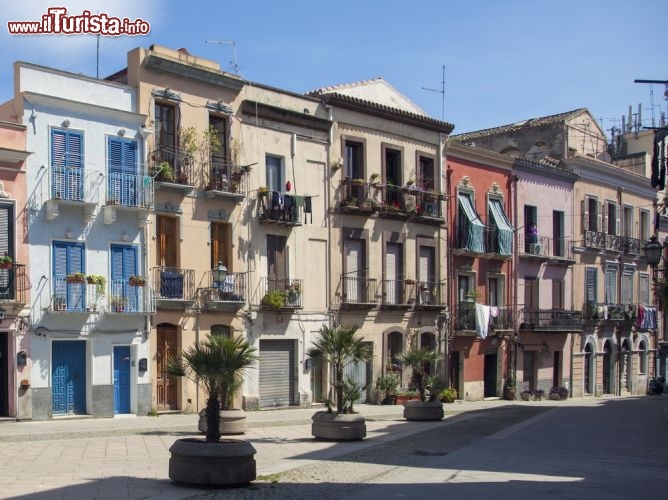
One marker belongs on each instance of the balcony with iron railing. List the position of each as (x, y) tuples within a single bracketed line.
[(174, 288), (69, 295), (225, 180), (358, 292), (546, 248), (131, 191), (280, 208), (431, 294), (495, 244), (358, 197), (608, 312), (464, 317), (398, 293), (550, 320), (228, 294), (469, 239), (597, 240), (14, 284), (73, 185), (281, 293), (126, 296), (171, 168)]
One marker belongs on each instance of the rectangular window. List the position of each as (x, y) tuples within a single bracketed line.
[(68, 258), (353, 160), (426, 175), (531, 290), (495, 285), (394, 273), (643, 289), (218, 127), (558, 234), (627, 285), (628, 221), (274, 166), (591, 288), (558, 294), (165, 131), (610, 285), (7, 229), (277, 261), (590, 214), (393, 176), (123, 184), (464, 285), (123, 265), (220, 246), (644, 225), (167, 239), (611, 218), (67, 165)]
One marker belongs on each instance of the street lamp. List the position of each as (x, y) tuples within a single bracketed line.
[(219, 272), (653, 251)]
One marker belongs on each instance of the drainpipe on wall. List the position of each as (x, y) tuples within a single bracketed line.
[(514, 336), (619, 288), (328, 273), (442, 320), (448, 319)]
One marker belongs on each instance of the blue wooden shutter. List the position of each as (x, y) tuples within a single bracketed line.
[(67, 164), (68, 258), (122, 171), (124, 265)]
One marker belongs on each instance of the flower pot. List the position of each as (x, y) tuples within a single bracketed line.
[(335, 427), (509, 393), (390, 400)]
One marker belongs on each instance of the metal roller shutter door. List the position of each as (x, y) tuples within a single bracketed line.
[(277, 367)]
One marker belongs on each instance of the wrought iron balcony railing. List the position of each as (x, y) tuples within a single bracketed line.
[(68, 295), (431, 293), (281, 293), (169, 165), (358, 290), (279, 208), (231, 289), (398, 292), (465, 317), (608, 312), (125, 297), (14, 283), (226, 177), (547, 247), (130, 190), (550, 319), (173, 284)]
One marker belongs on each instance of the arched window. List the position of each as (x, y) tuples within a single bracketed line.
[(642, 347), (395, 345), (221, 331), (588, 365)]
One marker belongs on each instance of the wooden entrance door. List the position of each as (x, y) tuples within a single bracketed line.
[(165, 389)]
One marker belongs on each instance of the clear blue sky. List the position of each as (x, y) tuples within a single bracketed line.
[(505, 60)]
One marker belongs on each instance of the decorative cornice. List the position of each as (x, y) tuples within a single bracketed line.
[(13, 155), (81, 107)]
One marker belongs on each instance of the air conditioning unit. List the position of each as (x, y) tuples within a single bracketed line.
[(535, 249)]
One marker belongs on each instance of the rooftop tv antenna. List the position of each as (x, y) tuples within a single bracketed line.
[(661, 82), (234, 51), (442, 92)]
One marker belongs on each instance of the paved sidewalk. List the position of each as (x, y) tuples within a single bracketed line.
[(127, 457)]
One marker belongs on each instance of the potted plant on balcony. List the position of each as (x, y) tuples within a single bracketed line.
[(5, 261), (274, 299), (163, 171), (118, 303), (59, 303), (293, 291), (218, 364), (425, 409), (339, 347), (99, 281), (76, 278), (137, 280)]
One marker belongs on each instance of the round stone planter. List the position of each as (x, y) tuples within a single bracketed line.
[(334, 427), (427, 410), (228, 462), (230, 422)]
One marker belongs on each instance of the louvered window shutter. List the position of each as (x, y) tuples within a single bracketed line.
[(618, 222), (585, 214), (590, 292), (6, 220), (58, 148), (599, 218), (605, 208), (115, 155)]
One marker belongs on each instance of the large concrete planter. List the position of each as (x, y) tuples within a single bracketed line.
[(228, 462), (427, 410), (334, 427), (230, 422)]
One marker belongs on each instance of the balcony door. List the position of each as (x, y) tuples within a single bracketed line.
[(531, 299), (68, 258), (7, 276), (124, 265), (67, 165), (355, 290), (167, 239), (427, 285), (165, 393), (123, 183), (277, 262), (393, 273)]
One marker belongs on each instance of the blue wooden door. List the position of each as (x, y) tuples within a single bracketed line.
[(121, 379), (68, 377)]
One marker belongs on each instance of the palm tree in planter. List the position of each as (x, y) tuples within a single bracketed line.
[(217, 363), (418, 360), (339, 347)]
